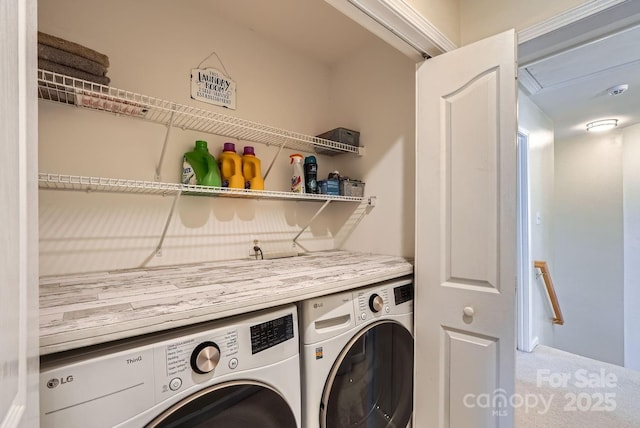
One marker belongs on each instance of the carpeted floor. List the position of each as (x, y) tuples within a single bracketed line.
[(559, 389)]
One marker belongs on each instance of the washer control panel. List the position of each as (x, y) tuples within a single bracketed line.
[(194, 359), (116, 382), (201, 357), (270, 333)]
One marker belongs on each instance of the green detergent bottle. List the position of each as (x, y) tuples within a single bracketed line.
[(200, 167)]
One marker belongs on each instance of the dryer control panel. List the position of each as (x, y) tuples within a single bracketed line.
[(392, 298)]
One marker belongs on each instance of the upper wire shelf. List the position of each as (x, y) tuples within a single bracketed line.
[(118, 185), (69, 90)]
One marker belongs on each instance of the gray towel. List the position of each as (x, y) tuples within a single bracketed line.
[(74, 48), (73, 72), (70, 60)]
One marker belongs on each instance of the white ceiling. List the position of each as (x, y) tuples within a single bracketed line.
[(570, 85)]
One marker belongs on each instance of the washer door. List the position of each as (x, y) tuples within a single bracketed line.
[(234, 404), (371, 382)]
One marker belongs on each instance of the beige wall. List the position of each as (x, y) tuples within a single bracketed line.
[(443, 14), (480, 19), (388, 166), (588, 245), (276, 86), (631, 192)]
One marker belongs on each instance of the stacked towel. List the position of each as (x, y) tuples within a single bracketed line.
[(72, 59)]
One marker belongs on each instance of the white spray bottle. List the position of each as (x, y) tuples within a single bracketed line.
[(297, 178)]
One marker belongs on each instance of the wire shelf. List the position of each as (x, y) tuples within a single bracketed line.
[(118, 185), (81, 93)]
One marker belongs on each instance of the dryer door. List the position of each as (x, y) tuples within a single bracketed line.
[(371, 383), (233, 404)]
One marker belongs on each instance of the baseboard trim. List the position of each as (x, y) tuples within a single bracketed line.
[(535, 342)]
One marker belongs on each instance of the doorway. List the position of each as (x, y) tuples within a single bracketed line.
[(594, 302), (525, 340)]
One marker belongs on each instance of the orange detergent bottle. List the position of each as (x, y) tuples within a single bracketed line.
[(252, 169), (231, 167)]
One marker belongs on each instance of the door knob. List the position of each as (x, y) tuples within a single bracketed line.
[(468, 311)]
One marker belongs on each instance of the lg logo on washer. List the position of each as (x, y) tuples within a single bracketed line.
[(52, 383)]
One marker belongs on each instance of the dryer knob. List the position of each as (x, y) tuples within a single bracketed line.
[(376, 303), (205, 357)]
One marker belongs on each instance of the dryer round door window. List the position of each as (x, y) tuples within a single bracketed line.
[(234, 404), (371, 383)]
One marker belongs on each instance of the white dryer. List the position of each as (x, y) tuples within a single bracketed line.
[(357, 357), (237, 372)]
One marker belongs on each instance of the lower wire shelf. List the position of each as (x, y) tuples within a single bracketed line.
[(119, 185)]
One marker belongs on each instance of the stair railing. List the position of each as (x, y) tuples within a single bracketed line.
[(551, 292)]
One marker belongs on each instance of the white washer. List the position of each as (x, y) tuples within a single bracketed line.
[(238, 372), (357, 357)]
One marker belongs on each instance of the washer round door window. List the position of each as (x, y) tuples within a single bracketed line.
[(234, 404), (371, 383)]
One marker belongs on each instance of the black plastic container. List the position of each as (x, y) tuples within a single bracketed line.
[(341, 135), (310, 174)]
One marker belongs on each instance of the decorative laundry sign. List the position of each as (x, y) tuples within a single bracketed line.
[(213, 87)]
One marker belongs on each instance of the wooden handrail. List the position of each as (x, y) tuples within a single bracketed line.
[(546, 275)]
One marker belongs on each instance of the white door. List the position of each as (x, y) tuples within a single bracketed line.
[(18, 216), (465, 269)]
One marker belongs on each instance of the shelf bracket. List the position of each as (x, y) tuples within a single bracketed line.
[(352, 222), (274, 159), (158, 250), (164, 145), (326, 203)]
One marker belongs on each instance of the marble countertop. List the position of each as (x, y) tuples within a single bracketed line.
[(91, 308)]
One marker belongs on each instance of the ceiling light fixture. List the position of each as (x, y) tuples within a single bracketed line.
[(602, 125)]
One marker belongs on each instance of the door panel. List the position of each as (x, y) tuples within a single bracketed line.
[(9, 217), (465, 265), (470, 187), (468, 382)]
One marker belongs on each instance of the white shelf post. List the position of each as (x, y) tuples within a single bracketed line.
[(164, 145), (158, 250)]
